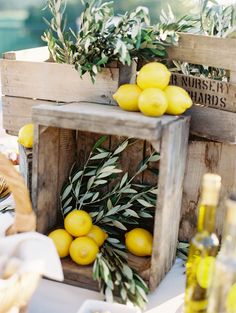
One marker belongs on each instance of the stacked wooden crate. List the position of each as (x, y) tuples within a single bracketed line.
[(29, 79), (212, 147)]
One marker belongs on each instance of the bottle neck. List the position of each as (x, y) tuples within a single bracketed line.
[(229, 236), (206, 218)]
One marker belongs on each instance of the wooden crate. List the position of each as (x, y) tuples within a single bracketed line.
[(56, 149), (28, 78)]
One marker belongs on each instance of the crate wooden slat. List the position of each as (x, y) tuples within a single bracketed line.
[(211, 93), (213, 124), (104, 119), (168, 135), (205, 50)]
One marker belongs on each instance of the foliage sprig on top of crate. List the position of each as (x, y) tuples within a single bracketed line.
[(115, 209), (104, 37)]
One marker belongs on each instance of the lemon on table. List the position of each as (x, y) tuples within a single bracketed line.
[(62, 241), (205, 271), (153, 75), (98, 235), (83, 250), (78, 223), (139, 242), (26, 136), (178, 100), (153, 102), (127, 97)]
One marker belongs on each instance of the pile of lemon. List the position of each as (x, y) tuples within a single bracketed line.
[(152, 95), (81, 239)]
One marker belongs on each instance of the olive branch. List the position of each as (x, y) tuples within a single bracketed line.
[(104, 37), (116, 205)]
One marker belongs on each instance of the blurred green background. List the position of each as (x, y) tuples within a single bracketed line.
[(21, 21)]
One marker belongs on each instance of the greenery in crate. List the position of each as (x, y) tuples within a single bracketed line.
[(217, 20), (104, 37), (116, 208)]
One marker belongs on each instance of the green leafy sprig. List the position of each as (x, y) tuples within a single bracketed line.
[(113, 274), (115, 205), (104, 37), (120, 206)]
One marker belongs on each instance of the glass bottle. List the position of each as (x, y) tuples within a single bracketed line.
[(203, 248), (222, 297)]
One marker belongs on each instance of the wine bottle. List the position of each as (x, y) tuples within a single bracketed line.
[(222, 298), (203, 248)]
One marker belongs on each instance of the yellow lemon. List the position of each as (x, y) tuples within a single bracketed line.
[(205, 271), (127, 97), (78, 223), (83, 250), (153, 75), (178, 100), (98, 235), (231, 299), (26, 136), (153, 102), (139, 242), (62, 240)]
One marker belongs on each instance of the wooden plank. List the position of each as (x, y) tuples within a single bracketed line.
[(16, 112), (53, 157), (43, 80), (209, 92), (25, 165), (206, 50), (39, 54), (105, 119), (170, 186), (206, 156), (213, 124), (82, 275)]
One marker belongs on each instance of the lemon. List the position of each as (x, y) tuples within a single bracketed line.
[(83, 250), (78, 223), (139, 242), (127, 97), (26, 136), (197, 306), (205, 270), (178, 100), (153, 102), (231, 299), (62, 240), (153, 75), (98, 235)]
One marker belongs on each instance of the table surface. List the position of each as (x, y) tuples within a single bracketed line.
[(60, 298)]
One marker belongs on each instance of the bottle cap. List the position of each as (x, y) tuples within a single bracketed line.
[(211, 184), (211, 180)]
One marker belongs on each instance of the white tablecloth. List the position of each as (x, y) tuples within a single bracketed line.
[(55, 297)]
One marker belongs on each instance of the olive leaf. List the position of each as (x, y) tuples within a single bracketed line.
[(104, 37)]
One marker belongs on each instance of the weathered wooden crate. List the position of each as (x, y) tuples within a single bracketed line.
[(28, 77), (213, 118), (66, 133)]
